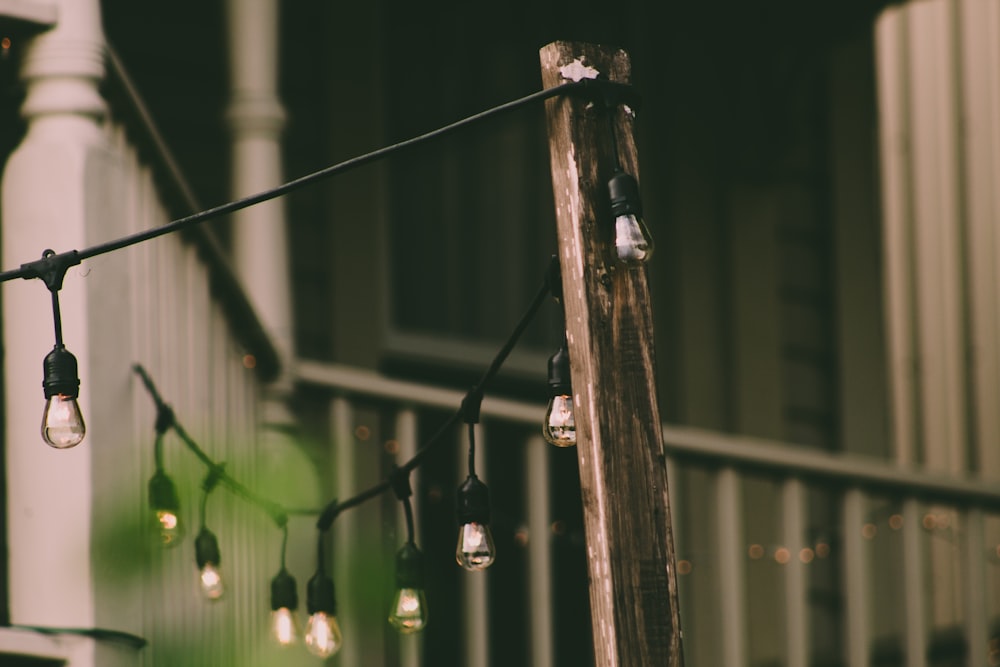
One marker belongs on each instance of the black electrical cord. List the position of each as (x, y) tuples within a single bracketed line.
[(606, 91)]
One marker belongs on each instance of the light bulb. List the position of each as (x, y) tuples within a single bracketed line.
[(409, 610), (409, 607), (164, 502), (206, 549), (284, 626), (475, 550), (633, 243), (323, 636), (284, 601), (211, 582), (560, 426), (62, 422)]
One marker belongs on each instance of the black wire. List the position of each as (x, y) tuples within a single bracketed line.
[(99, 634), (284, 545), (57, 318), (273, 509), (408, 512), (472, 450), (590, 86), (334, 508)]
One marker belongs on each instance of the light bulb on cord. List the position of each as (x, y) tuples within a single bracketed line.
[(475, 550), (559, 427), (62, 421), (323, 636), (284, 601), (165, 504), (633, 243), (206, 548), (409, 606)]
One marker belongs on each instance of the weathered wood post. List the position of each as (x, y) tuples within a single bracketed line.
[(623, 475)]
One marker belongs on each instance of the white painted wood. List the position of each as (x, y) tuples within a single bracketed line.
[(410, 646), (345, 528), (975, 592), (475, 592), (50, 492), (539, 582), (915, 586), (857, 581), (894, 126), (794, 511), (256, 120), (980, 57), (732, 574)]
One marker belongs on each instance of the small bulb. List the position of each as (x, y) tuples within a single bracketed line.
[(475, 550), (323, 636), (170, 526), (165, 504), (560, 426), (633, 244), (284, 626), (409, 610), (62, 422), (211, 582)]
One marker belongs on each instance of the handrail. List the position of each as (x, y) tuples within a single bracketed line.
[(244, 324), (713, 448)]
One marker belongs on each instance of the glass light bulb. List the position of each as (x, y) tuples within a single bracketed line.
[(62, 422), (409, 610), (323, 636), (559, 428), (170, 526), (633, 244), (211, 581), (284, 626), (475, 549)]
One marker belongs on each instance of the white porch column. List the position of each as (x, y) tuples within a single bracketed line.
[(49, 201), (256, 119), (938, 67)]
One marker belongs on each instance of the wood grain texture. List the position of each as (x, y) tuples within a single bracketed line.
[(633, 585)]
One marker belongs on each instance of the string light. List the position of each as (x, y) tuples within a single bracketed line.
[(323, 636), (165, 505), (475, 549), (285, 628), (633, 242), (206, 546), (408, 613), (62, 420), (559, 426)]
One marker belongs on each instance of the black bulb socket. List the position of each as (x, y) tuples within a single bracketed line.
[(60, 373), (473, 502), (163, 493), (560, 383), (320, 596), (206, 548), (283, 592), (624, 191), (409, 567)]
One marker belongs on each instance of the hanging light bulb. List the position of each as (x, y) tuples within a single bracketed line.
[(475, 550), (559, 427), (165, 504), (633, 244), (62, 421), (409, 607), (284, 602), (206, 549), (323, 636)]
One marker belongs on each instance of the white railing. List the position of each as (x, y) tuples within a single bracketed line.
[(870, 556)]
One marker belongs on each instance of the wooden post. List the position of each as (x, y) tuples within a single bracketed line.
[(623, 475)]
